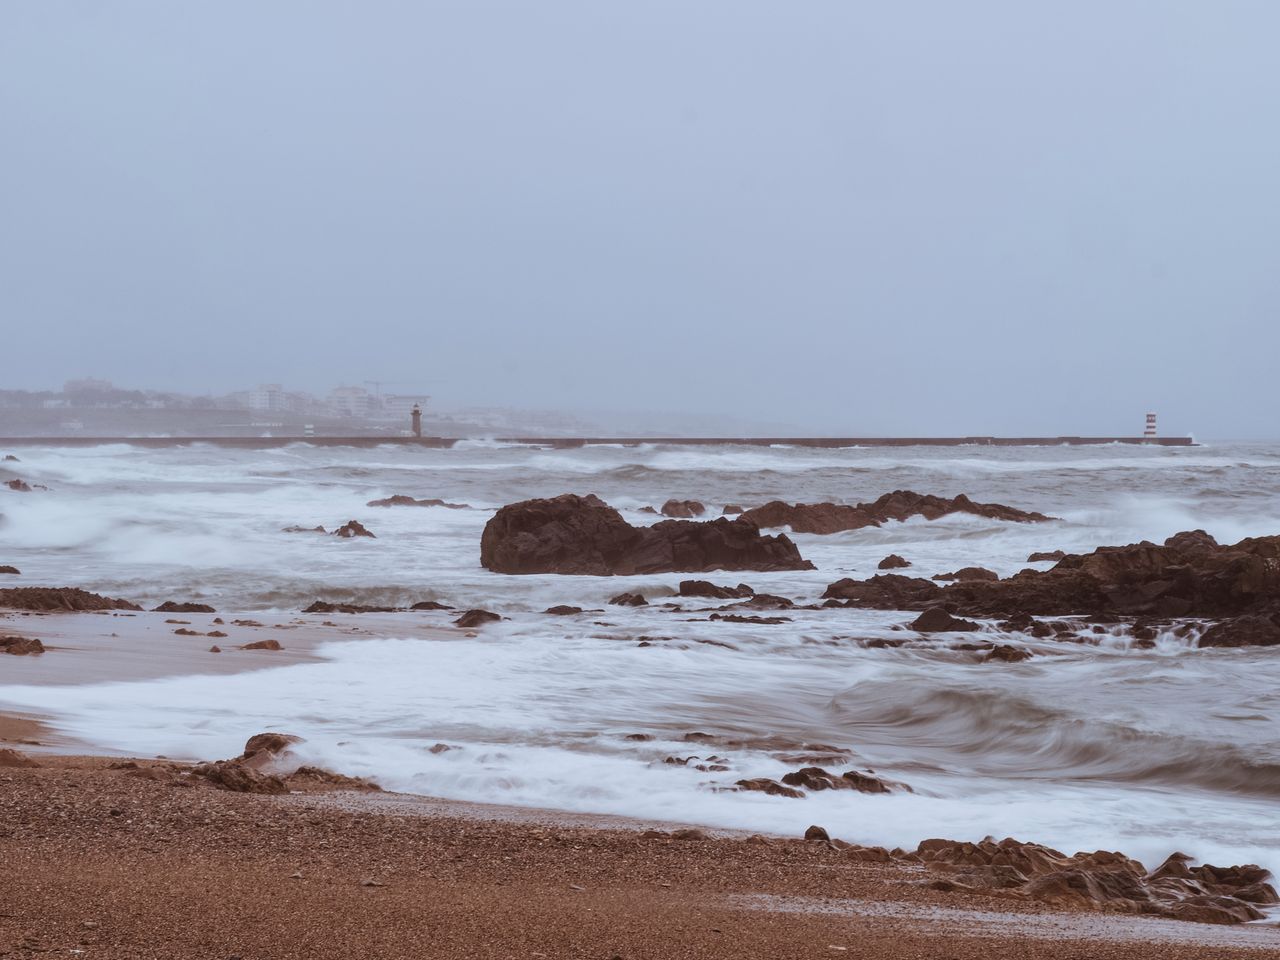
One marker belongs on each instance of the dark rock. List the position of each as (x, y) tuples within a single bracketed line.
[(476, 618), (938, 620), (893, 562), (238, 777), (648, 510), (324, 606), (215, 649), (704, 588), (430, 605), (771, 787), (1007, 654), (683, 509), (628, 600), (296, 529), (823, 518), (816, 833), (1053, 555), (1247, 631), (262, 645), (21, 646), (969, 573), (764, 601), (170, 606), (18, 486), (886, 591), (732, 510), (7, 569), (563, 610), (583, 535), (352, 528), (10, 458), (60, 599), (262, 747), (737, 618), (400, 500), (1192, 541)]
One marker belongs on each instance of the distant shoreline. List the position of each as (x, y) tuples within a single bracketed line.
[(567, 443)]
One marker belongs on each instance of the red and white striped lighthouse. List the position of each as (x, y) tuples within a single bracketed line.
[(1150, 432)]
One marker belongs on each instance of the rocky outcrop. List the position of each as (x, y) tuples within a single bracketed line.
[(476, 618), (20, 646), (893, 562), (400, 500), (969, 573), (683, 509), (1102, 880), (824, 518), (704, 588), (938, 620), (572, 534), (352, 528), (60, 599), (171, 606)]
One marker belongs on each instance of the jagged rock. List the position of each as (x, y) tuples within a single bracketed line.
[(21, 646), (1005, 653), (1248, 631), (969, 573), (683, 509), (893, 562), (824, 518), (59, 598), (400, 500), (938, 620), (628, 600), (1053, 555), (704, 588), (771, 787), (352, 528), (169, 606), (583, 535), (475, 618)]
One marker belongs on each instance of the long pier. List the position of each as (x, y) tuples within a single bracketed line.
[(568, 443)]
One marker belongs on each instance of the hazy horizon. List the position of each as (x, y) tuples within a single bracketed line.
[(927, 219)]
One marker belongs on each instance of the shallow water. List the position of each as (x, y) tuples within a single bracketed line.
[(1085, 746)]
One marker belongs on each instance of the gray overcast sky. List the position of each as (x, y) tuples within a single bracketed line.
[(915, 217)]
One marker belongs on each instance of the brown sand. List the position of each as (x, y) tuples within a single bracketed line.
[(105, 863)]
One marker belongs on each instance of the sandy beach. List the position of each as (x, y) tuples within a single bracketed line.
[(137, 858)]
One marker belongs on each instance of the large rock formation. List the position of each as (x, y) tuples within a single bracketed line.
[(70, 599), (584, 535), (899, 505)]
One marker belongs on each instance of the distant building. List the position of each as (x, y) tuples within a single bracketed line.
[(400, 406), (267, 396), (351, 401)]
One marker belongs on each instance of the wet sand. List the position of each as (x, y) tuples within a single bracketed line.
[(115, 865)]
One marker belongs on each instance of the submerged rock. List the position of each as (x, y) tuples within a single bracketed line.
[(771, 787), (1247, 631), (1005, 653), (628, 600), (353, 528), (562, 610), (571, 534), (262, 645), (400, 500), (8, 569), (475, 618), (21, 646), (704, 588), (886, 591), (938, 620), (325, 606)]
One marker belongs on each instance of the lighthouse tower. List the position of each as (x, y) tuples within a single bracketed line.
[(1150, 432)]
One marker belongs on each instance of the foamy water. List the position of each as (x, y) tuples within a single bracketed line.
[(1084, 746)]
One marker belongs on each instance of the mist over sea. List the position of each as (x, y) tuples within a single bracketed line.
[(1087, 745)]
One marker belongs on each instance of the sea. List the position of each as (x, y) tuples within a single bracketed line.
[(1088, 745)]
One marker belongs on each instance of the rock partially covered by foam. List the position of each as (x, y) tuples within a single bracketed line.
[(572, 534)]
